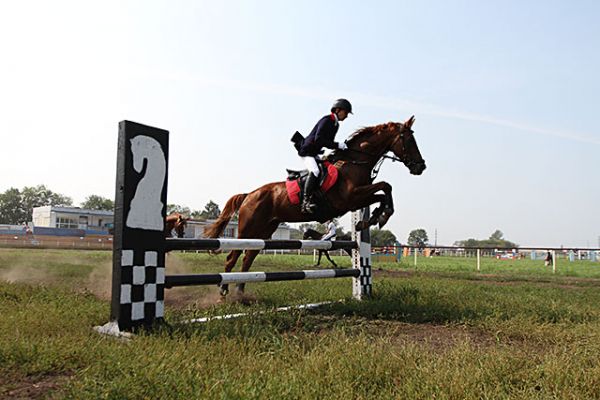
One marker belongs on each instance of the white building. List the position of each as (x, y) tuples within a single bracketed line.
[(195, 229), (72, 218), (80, 218)]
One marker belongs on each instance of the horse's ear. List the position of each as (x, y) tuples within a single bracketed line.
[(409, 122)]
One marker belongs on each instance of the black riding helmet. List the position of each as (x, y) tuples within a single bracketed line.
[(343, 104)]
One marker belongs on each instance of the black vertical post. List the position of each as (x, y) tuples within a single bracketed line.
[(140, 210)]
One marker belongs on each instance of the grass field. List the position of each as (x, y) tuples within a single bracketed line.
[(442, 330)]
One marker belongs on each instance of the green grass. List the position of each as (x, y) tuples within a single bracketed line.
[(444, 331)]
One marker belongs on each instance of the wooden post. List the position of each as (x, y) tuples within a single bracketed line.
[(478, 260)]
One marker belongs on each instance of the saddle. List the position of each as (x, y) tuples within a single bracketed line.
[(296, 179), (302, 174)]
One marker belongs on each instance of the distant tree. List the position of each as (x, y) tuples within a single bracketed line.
[(467, 243), (37, 196), (496, 240), (176, 208), (296, 234), (418, 238), (11, 207), (382, 237), (497, 235), (197, 214), (95, 202), (211, 210), (340, 231), (17, 206)]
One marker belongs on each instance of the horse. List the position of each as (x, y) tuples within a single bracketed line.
[(175, 223), (261, 211), (316, 235)]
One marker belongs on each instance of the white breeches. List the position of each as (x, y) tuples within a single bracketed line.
[(329, 236), (311, 165)]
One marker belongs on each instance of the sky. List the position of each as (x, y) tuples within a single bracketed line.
[(505, 96)]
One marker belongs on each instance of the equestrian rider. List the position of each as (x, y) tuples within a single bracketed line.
[(331, 231), (322, 135)]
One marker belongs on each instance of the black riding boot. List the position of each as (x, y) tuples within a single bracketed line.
[(308, 207)]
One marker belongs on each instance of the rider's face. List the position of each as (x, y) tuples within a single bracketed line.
[(342, 114)]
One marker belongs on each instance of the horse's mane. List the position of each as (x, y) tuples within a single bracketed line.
[(360, 134)]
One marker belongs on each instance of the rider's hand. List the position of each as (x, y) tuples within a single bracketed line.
[(342, 146)]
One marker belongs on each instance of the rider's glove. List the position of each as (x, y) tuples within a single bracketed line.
[(342, 146)]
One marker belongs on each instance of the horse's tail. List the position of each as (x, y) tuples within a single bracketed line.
[(233, 204)]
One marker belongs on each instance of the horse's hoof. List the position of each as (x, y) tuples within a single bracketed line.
[(383, 219)]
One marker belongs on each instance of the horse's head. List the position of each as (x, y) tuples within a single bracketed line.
[(376, 141), (311, 234), (404, 146), (175, 222)]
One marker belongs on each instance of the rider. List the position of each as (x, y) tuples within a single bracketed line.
[(331, 231), (322, 135)]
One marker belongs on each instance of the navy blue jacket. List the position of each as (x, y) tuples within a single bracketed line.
[(321, 136)]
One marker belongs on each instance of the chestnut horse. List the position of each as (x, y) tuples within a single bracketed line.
[(261, 211), (175, 223)]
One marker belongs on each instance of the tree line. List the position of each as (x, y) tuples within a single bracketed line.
[(418, 238), (16, 205)]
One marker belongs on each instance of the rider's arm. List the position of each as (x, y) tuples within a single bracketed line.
[(326, 133)]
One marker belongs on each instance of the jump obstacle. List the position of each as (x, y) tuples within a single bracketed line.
[(139, 246)]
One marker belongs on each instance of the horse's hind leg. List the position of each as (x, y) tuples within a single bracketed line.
[(246, 264), (251, 254), (229, 264), (330, 260)]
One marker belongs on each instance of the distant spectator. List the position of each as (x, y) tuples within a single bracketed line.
[(548, 260)]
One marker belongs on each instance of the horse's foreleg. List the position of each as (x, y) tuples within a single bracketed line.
[(319, 258), (229, 264), (246, 264), (366, 195)]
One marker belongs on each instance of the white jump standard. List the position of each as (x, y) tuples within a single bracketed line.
[(139, 278)]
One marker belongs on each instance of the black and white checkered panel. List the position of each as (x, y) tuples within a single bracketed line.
[(361, 257), (142, 286), (366, 278)]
